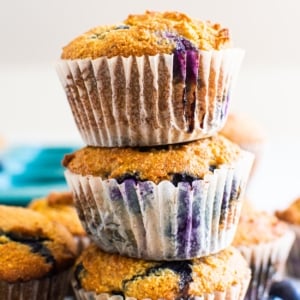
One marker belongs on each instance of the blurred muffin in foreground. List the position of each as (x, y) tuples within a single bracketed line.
[(291, 215), (156, 78), (100, 275), (59, 207), (162, 203), (265, 242), (247, 133), (35, 255)]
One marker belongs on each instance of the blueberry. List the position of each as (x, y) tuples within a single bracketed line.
[(285, 290), (134, 176), (182, 44), (183, 177), (122, 27)]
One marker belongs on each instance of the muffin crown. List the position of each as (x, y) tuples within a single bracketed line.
[(148, 34), (257, 227), (110, 273), (59, 207), (33, 246), (291, 214), (179, 162)]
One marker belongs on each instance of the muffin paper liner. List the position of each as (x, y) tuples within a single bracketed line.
[(235, 292), (293, 261), (150, 100), (81, 243), (162, 221), (266, 262), (48, 288)]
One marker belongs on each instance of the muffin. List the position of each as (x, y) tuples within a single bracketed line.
[(247, 133), (59, 207), (291, 215), (265, 242), (164, 203), (100, 275), (157, 78), (35, 255)]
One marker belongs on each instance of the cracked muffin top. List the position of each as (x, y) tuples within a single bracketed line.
[(150, 33), (59, 207), (180, 162), (102, 272), (291, 214), (31, 246)]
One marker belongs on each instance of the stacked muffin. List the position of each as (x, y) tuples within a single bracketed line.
[(265, 253), (156, 188)]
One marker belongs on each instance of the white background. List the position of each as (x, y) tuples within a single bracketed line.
[(33, 105)]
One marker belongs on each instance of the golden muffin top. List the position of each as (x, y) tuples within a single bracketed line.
[(191, 160), (291, 214), (31, 246), (114, 274), (257, 227), (59, 207), (150, 33)]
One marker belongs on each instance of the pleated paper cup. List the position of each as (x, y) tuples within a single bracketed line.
[(293, 261), (266, 261), (150, 100), (236, 292), (81, 243), (162, 221), (48, 288)]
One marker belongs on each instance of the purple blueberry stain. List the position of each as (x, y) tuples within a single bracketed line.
[(132, 199), (195, 244), (184, 218), (147, 194), (185, 71)]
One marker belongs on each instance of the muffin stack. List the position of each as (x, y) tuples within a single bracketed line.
[(156, 188)]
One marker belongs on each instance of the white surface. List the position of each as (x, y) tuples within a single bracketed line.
[(276, 182)]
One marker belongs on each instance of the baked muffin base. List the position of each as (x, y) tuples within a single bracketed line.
[(48, 288), (293, 261)]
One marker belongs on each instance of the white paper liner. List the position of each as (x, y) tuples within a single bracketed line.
[(161, 221), (53, 287), (81, 243), (266, 260), (236, 292), (293, 261), (134, 101)]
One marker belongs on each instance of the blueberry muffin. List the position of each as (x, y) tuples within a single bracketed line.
[(291, 215), (59, 207), (104, 275), (163, 203), (265, 242), (156, 78), (248, 133), (35, 255)]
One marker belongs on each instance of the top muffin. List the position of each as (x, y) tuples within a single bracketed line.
[(157, 78), (148, 34)]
